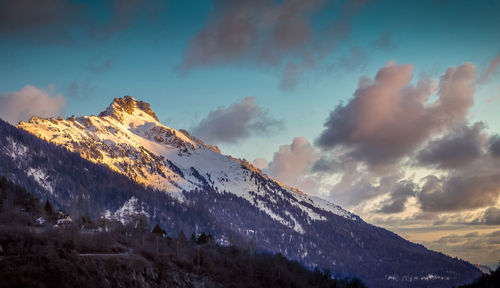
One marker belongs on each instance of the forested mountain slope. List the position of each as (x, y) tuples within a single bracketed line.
[(192, 186)]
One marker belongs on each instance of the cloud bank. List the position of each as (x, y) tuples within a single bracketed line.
[(389, 117), (467, 246), (393, 125)]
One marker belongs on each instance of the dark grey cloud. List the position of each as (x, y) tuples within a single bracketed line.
[(263, 30), (472, 178), (396, 203), (234, 123), (475, 187), (50, 21), (455, 149), (388, 117), (326, 164), (266, 32), (122, 16), (39, 20), (492, 217), (495, 145)]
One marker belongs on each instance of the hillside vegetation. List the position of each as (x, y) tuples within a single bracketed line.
[(101, 253)]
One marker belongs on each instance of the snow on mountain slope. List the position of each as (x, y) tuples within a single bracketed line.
[(203, 190), (128, 138)]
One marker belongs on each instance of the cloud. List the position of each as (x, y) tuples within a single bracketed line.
[(260, 163), (30, 101), (261, 30), (292, 162), (475, 247), (356, 187), (468, 178), (384, 41), (326, 164), (355, 60), (97, 66), (44, 19), (456, 149), (80, 89), (472, 180), (234, 123), (53, 21), (122, 15), (293, 73), (475, 186), (368, 142), (389, 117), (492, 216), (495, 145), (398, 197), (492, 68), (268, 32)]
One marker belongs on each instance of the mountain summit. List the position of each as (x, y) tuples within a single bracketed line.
[(228, 197), (128, 104)]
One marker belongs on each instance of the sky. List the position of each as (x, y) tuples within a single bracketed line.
[(387, 108)]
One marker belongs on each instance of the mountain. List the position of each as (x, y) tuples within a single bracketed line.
[(187, 184), (107, 254), (488, 280)]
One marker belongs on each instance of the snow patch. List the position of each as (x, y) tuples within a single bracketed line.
[(16, 150), (130, 208), (42, 179)]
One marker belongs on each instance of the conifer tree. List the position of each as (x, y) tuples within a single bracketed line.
[(48, 209), (157, 230)]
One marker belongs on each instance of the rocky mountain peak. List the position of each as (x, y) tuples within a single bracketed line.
[(128, 104)]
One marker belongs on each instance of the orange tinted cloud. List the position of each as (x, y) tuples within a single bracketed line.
[(30, 101)]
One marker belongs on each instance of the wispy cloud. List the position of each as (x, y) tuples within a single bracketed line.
[(492, 69), (97, 66), (384, 41)]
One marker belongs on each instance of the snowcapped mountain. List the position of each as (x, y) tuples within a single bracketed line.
[(128, 138), (189, 185)]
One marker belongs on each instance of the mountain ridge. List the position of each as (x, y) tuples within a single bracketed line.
[(159, 152), (235, 199)]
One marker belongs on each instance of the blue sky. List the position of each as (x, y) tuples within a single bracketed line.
[(194, 60), (144, 59)]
